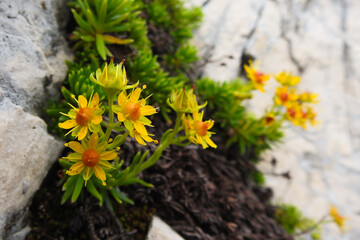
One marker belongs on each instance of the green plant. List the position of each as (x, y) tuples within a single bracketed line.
[(106, 22)]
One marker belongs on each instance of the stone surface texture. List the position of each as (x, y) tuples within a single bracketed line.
[(159, 230), (33, 53), (320, 41)]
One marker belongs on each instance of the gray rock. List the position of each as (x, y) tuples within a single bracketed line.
[(318, 40), (159, 230), (33, 54)]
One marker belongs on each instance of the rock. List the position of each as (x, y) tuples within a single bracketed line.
[(33, 54), (159, 230), (317, 40)]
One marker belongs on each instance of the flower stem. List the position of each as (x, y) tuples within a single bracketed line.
[(163, 145)]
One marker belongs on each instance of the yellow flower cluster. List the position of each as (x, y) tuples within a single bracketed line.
[(90, 155), (298, 106), (196, 130)]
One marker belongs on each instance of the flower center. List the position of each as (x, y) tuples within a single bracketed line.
[(83, 116), (304, 114), (259, 77), (269, 120), (90, 158), (133, 109), (284, 97), (291, 112), (201, 128)]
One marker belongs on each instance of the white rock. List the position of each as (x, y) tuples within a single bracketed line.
[(159, 230), (33, 54)]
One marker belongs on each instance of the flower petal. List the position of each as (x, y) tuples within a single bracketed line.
[(76, 146), (121, 98), (209, 141), (96, 120), (147, 110), (140, 128), (139, 139), (94, 128), (82, 101), (134, 97), (75, 169), (67, 124), (129, 126), (82, 133), (74, 157), (94, 140), (147, 138), (121, 117), (95, 101), (105, 164), (99, 173), (108, 155), (87, 172)]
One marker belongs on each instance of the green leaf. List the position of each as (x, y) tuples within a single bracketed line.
[(100, 46), (115, 40), (82, 23), (120, 197), (107, 201), (103, 10), (68, 187), (78, 187), (64, 163), (92, 189), (137, 180), (91, 18)]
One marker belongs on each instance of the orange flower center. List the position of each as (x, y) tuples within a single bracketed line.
[(201, 128), (259, 77), (83, 116), (133, 109), (291, 112), (284, 97), (304, 114), (269, 120), (90, 158)]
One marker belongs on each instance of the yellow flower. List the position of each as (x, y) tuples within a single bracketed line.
[(85, 118), (132, 112), (257, 78), (285, 96), (337, 218), (90, 157), (308, 97), (112, 78), (141, 138), (308, 115), (294, 114), (287, 79), (197, 130), (299, 117), (184, 101), (269, 119)]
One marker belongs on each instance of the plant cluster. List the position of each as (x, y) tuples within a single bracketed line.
[(94, 162)]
